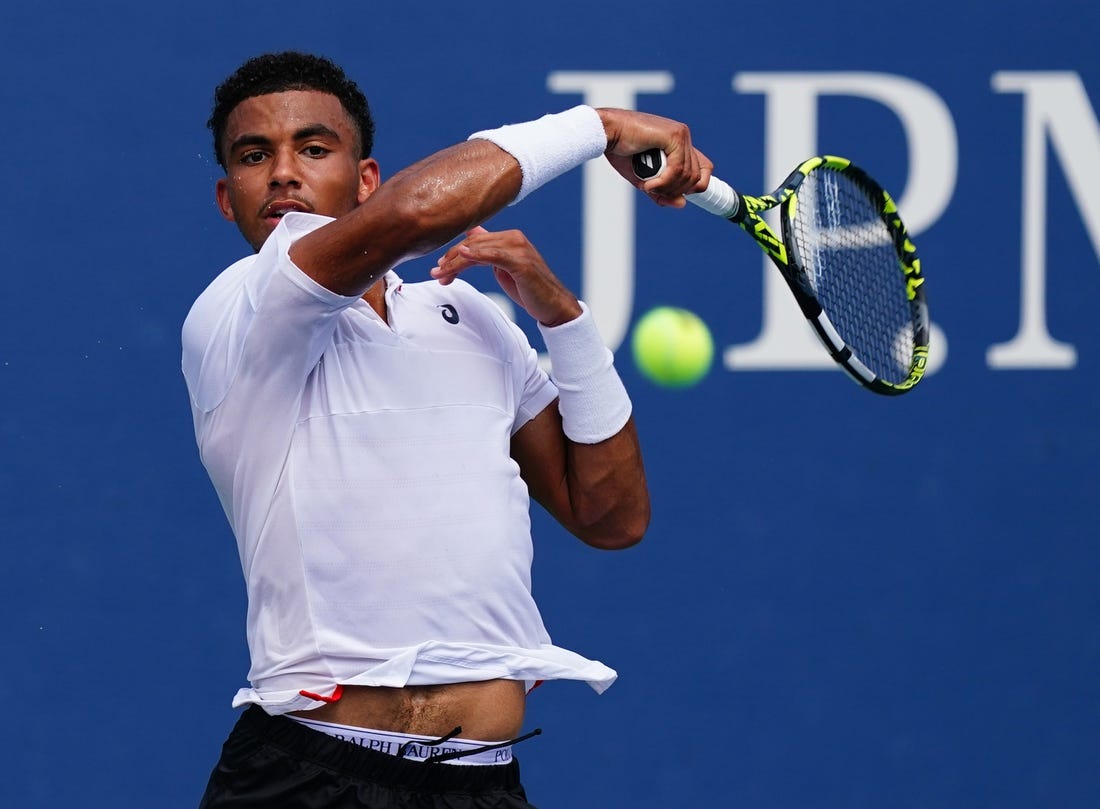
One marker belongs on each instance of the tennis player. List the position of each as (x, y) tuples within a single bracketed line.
[(374, 443)]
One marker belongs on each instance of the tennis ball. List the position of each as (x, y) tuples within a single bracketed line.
[(672, 347)]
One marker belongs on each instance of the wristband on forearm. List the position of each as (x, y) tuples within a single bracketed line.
[(594, 404), (550, 146)]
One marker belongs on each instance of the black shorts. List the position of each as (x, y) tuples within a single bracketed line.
[(276, 763)]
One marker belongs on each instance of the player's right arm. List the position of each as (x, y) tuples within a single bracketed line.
[(416, 211), (428, 204)]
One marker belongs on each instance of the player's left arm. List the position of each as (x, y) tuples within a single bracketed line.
[(595, 490)]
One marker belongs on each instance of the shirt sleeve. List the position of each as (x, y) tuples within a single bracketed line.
[(538, 391), (249, 344), (264, 316)]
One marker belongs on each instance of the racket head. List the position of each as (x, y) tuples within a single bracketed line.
[(855, 272)]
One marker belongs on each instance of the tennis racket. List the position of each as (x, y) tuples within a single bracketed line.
[(847, 258)]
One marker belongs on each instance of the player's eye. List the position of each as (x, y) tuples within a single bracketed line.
[(252, 158), (314, 150)]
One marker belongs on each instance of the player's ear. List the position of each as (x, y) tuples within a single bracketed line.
[(369, 178), (221, 194)]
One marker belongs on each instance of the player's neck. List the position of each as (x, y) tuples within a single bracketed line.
[(376, 297)]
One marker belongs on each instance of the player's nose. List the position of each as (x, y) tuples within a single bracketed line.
[(284, 169)]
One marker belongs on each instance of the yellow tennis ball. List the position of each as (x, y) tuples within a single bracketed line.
[(672, 347)]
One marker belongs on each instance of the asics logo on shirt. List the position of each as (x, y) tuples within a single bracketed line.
[(450, 314)]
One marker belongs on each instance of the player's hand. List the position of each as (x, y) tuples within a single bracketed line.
[(629, 132), (519, 269)]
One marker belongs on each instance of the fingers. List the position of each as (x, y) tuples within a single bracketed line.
[(689, 174), (506, 250), (519, 269), (687, 170), (457, 259)]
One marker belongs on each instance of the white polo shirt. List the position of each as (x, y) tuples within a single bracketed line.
[(364, 466)]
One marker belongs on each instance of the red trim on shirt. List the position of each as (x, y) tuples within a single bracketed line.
[(336, 694)]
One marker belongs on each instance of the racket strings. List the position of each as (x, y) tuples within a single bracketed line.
[(849, 257)]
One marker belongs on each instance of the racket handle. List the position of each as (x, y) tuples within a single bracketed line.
[(718, 198)]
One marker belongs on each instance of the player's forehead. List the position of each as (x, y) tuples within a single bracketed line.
[(277, 115)]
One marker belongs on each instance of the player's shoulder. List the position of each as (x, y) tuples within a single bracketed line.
[(226, 284), (212, 304)]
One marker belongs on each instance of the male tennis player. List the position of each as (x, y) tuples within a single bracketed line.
[(374, 442)]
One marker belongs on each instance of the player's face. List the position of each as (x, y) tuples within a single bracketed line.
[(291, 151)]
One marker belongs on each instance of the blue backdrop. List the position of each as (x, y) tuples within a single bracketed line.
[(844, 600)]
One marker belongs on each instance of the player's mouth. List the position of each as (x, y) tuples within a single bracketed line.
[(275, 210)]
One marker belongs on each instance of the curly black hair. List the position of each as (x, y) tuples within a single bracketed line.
[(290, 70)]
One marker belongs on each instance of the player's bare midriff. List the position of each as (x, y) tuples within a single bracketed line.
[(487, 711)]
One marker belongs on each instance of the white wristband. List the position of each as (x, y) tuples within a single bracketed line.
[(594, 404), (550, 146)]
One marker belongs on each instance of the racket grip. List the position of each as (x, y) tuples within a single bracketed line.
[(719, 198)]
